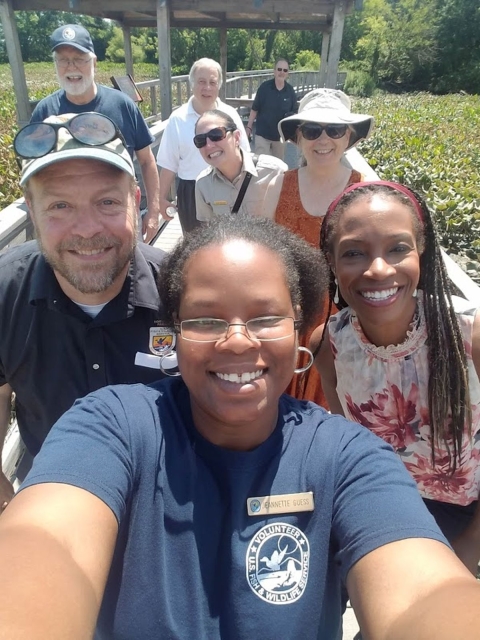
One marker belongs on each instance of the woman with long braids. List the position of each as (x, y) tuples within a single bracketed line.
[(402, 356)]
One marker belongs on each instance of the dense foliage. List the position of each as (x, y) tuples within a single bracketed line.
[(430, 143), (395, 44)]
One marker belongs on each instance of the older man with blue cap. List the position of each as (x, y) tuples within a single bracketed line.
[(75, 63)]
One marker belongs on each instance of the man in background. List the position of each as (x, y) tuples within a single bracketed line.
[(274, 100), (79, 308), (177, 153), (75, 63)]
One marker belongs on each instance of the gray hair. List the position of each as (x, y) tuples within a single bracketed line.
[(205, 62)]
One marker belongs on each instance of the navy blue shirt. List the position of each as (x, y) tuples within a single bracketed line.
[(272, 105), (112, 103), (52, 352), (189, 561)]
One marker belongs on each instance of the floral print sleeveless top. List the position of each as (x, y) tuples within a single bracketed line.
[(386, 390)]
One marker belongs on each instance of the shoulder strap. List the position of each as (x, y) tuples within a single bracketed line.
[(243, 188)]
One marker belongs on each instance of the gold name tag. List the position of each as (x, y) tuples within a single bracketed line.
[(284, 503), (220, 202)]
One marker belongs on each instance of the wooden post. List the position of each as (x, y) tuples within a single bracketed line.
[(14, 52), (335, 43), (324, 57), (164, 58), (223, 61), (127, 47)]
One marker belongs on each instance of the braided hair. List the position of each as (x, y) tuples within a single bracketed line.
[(448, 387)]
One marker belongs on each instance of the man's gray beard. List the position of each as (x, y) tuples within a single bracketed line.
[(89, 280), (73, 89)]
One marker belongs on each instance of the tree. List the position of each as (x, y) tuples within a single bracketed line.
[(398, 41), (458, 65), (115, 49), (36, 27)]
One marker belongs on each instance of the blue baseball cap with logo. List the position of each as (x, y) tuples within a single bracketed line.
[(73, 35)]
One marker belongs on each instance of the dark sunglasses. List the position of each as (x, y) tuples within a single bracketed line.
[(311, 131), (280, 69), (90, 128), (215, 135)]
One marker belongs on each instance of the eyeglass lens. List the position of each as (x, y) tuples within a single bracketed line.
[(37, 139), (314, 131), (213, 329), (215, 135), (280, 69), (76, 62)]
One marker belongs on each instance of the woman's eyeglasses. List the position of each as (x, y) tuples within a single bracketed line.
[(265, 328), (312, 131), (280, 69), (39, 138), (215, 135)]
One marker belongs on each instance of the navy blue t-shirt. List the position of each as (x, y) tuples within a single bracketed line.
[(189, 560), (112, 103)]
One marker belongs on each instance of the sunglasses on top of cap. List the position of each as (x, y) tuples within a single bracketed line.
[(312, 131), (40, 138), (215, 135)]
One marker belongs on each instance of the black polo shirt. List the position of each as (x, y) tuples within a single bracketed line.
[(272, 105), (52, 353)]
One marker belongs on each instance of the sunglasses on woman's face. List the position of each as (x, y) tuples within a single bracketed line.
[(312, 131), (280, 69), (215, 135)]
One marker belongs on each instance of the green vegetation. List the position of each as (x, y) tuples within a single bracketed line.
[(427, 142), (397, 45), (430, 143)]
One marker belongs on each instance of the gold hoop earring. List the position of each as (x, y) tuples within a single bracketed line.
[(173, 365), (309, 363)]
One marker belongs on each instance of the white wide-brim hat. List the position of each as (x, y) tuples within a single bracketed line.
[(327, 106)]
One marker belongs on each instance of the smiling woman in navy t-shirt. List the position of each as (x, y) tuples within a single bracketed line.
[(213, 507)]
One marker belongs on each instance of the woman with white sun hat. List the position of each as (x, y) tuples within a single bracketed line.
[(323, 129)]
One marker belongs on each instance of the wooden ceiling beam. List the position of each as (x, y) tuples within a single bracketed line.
[(115, 7)]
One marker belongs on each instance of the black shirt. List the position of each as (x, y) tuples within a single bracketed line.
[(272, 105), (52, 352)]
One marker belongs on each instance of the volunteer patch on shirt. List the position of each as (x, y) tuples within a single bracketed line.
[(278, 558)]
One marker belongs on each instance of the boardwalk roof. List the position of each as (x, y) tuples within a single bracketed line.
[(327, 16), (249, 14)]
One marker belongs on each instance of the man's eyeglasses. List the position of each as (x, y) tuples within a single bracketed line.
[(215, 135), (265, 328), (281, 69), (312, 131), (64, 63), (39, 138)]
